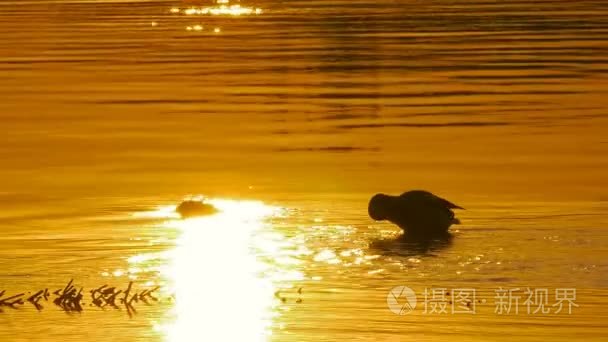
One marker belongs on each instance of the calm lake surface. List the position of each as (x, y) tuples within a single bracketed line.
[(288, 118)]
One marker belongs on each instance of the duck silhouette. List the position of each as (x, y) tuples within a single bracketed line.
[(195, 208), (421, 214)]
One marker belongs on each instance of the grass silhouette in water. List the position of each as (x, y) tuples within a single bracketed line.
[(12, 301), (70, 299)]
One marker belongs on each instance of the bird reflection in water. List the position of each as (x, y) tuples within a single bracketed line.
[(409, 246)]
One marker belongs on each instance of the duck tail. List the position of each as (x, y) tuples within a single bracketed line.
[(449, 204)]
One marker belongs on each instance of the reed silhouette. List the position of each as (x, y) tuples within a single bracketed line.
[(70, 299)]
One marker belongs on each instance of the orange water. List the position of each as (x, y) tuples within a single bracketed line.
[(110, 110)]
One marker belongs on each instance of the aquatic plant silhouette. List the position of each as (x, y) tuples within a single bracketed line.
[(12, 301), (279, 294), (70, 298)]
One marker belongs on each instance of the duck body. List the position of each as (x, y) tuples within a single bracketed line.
[(419, 213)]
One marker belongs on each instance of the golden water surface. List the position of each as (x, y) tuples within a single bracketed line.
[(288, 116)]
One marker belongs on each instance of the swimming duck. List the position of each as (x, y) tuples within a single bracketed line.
[(193, 208), (419, 213)]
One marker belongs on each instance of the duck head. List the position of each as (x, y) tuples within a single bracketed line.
[(379, 207)]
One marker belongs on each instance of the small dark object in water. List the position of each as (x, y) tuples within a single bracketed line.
[(277, 294), (69, 299), (419, 213), (35, 299), (192, 208), (12, 301)]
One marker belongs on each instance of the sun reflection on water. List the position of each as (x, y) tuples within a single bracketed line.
[(221, 8), (245, 272), (223, 286)]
